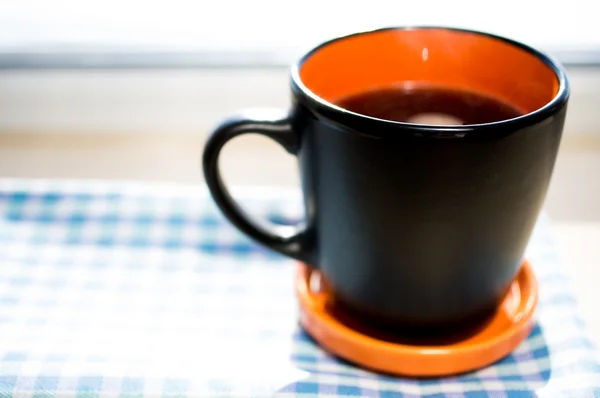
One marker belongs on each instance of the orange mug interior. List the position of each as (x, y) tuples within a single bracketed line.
[(441, 57)]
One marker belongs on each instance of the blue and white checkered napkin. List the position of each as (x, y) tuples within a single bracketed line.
[(116, 290)]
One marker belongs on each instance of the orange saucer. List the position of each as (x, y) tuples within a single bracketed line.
[(502, 333)]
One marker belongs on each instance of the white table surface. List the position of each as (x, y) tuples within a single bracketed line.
[(580, 247)]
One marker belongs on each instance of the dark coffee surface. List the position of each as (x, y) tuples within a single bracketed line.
[(429, 105)]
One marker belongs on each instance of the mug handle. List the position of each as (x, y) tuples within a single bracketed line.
[(290, 241)]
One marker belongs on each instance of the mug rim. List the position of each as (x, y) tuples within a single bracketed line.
[(346, 117)]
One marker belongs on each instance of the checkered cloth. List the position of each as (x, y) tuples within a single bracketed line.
[(123, 290)]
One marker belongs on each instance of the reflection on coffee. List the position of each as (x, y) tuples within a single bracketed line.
[(429, 105)]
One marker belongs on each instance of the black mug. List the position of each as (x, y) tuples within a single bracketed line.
[(411, 224)]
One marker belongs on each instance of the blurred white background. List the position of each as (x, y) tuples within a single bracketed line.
[(275, 27), (129, 89)]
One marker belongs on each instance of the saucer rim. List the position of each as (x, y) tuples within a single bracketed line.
[(330, 333)]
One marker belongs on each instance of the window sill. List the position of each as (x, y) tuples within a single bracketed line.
[(169, 101)]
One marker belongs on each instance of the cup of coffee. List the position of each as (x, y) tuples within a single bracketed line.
[(425, 155)]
